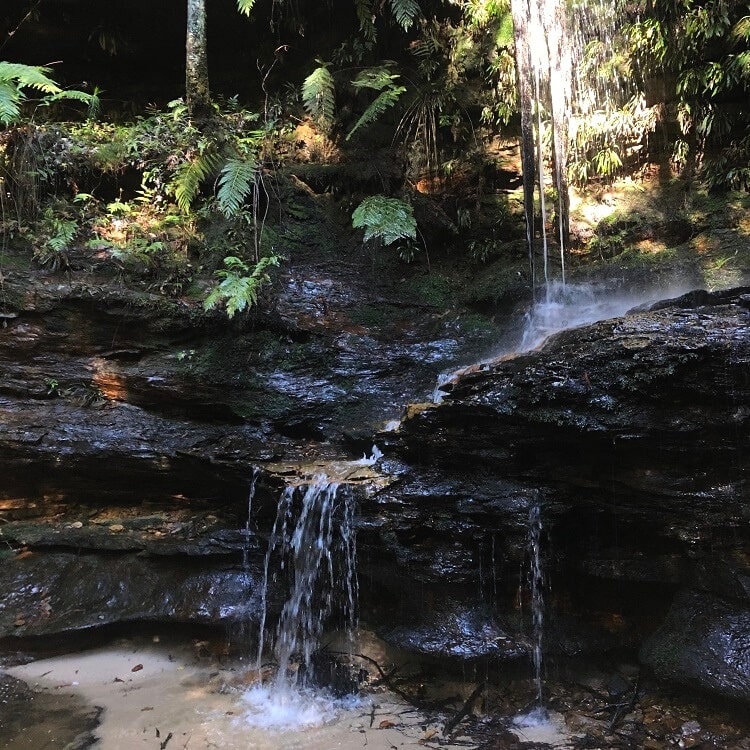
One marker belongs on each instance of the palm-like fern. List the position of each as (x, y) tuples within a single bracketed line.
[(14, 77), (245, 6), (189, 176), (385, 100), (318, 95), (386, 219), (239, 285), (405, 12), (236, 182)]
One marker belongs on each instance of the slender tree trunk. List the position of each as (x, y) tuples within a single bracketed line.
[(196, 62)]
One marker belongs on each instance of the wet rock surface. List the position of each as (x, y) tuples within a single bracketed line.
[(632, 435), (127, 451)]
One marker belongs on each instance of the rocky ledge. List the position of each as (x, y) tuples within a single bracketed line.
[(632, 436)]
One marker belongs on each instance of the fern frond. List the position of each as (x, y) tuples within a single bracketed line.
[(28, 76), (10, 100), (741, 29), (245, 6), (318, 94), (235, 184), (365, 15), (376, 78), (385, 100), (405, 12), (387, 219), (236, 291), (189, 176)]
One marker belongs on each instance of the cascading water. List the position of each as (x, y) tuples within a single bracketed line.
[(536, 581), (247, 531), (317, 553), (311, 551), (538, 713), (551, 38)]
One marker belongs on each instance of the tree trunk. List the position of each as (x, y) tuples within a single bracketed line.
[(196, 62)]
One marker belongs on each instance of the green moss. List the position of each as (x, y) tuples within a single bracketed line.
[(432, 289), (375, 316)]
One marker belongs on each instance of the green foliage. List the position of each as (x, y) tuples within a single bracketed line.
[(55, 234), (15, 77), (239, 286), (380, 79), (319, 95), (245, 6), (191, 174), (385, 219), (236, 181), (405, 12)]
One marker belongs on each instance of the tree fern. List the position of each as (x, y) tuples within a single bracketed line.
[(236, 181), (387, 219), (318, 95), (365, 14), (405, 12), (376, 77), (245, 6), (14, 77), (385, 100), (189, 176), (29, 76)]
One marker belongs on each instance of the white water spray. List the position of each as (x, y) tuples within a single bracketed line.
[(311, 552)]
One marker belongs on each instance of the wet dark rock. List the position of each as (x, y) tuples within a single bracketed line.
[(632, 435), (55, 592), (453, 631), (705, 642)]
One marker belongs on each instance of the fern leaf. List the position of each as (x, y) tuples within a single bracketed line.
[(405, 12), (239, 292), (318, 94), (376, 78), (385, 100), (28, 76), (235, 183), (10, 99), (245, 6), (387, 219), (189, 176), (366, 16)]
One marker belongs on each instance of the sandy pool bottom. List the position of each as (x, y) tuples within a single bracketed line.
[(154, 696)]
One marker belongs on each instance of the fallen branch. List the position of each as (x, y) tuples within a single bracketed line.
[(464, 711)]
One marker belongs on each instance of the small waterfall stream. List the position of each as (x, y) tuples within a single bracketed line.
[(551, 39), (536, 584), (311, 560), (316, 553)]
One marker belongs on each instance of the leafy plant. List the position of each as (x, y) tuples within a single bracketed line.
[(379, 79), (319, 95), (236, 181), (385, 219), (56, 234), (239, 285), (15, 77), (190, 174)]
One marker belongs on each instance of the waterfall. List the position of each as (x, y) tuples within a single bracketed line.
[(538, 715), (247, 531), (550, 39), (536, 584), (314, 555)]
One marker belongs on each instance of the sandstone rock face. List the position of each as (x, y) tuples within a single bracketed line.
[(127, 453), (632, 435)]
